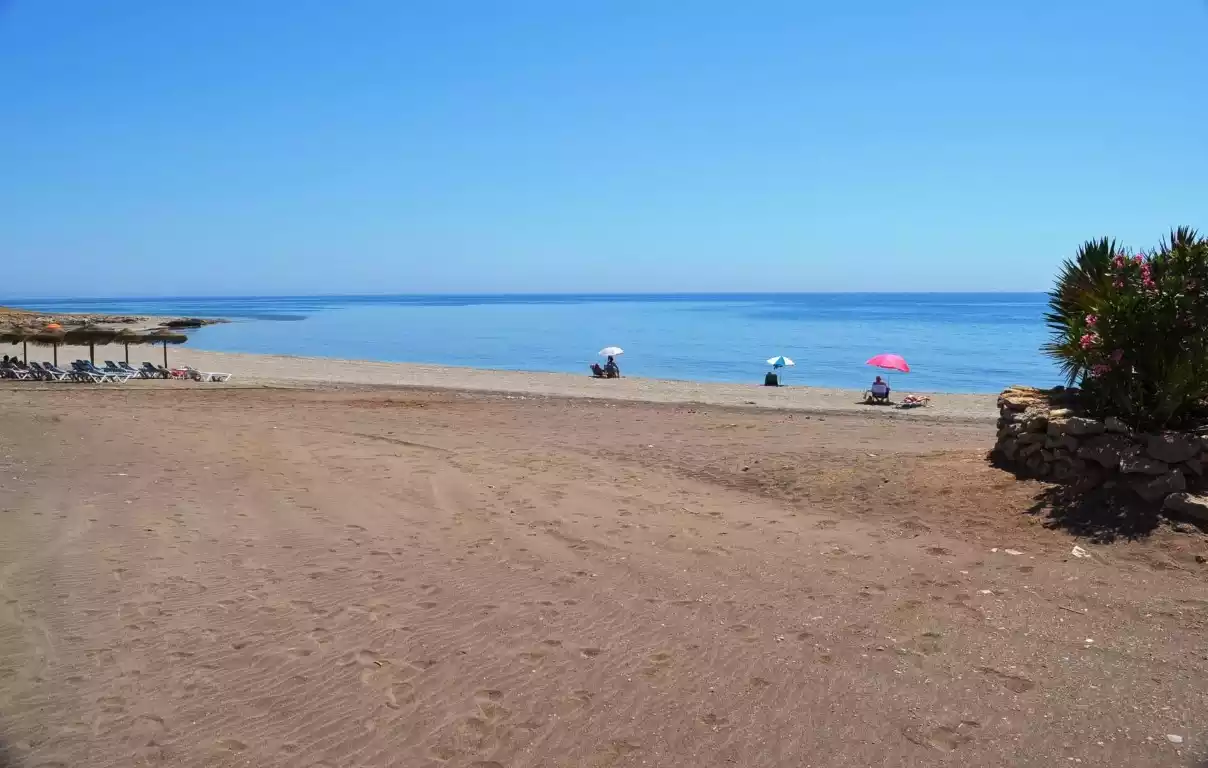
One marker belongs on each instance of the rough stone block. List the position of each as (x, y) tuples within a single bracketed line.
[(1172, 447)]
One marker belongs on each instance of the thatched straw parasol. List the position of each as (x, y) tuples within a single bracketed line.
[(50, 336), (164, 336), (17, 334), (91, 335), (126, 337)]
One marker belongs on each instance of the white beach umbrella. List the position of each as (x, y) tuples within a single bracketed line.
[(611, 352), (780, 362)]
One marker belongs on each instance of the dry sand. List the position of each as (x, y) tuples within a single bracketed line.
[(203, 575), (287, 370)]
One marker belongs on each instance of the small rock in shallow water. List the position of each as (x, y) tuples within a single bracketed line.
[(1174, 738)]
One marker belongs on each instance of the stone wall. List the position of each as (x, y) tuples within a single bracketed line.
[(1043, 434)]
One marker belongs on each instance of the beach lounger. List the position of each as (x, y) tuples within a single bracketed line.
[(80, 372), (11, 371), (115, 371), (90, 370), (135, 373), (39, 373), (150, 371), (55, 372)]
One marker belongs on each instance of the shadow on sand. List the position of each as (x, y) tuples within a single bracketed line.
[(1097, 513)]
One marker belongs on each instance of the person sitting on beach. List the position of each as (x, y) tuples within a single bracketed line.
[(597, 371), (612, 369), (880, 390)]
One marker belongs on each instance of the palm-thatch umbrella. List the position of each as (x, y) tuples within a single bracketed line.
[(126, 337), (164, 336), (50, 336), (17, 334), (91, 335)]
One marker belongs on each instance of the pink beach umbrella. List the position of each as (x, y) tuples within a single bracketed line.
[(890, 362)]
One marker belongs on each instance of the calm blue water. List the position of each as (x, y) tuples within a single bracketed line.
[(954, 342)]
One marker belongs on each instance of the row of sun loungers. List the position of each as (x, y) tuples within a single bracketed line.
[(86, 371)]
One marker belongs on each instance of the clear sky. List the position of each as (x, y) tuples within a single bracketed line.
[(154, 147)]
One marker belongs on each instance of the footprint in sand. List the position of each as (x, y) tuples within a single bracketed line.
[(590, 653), (1013, 683), (575, 701), (112, 705), (319, 635), (364, 658), (656, 664), (943, 738), (532, 657), (399, 694), (230, 745)]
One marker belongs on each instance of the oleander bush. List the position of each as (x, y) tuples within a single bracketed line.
[(1130, 329)]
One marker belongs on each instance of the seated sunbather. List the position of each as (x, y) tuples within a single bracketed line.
[(597, 371), (878, 393)]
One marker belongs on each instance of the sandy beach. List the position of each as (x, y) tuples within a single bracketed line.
[(285, 370), (214, 575)]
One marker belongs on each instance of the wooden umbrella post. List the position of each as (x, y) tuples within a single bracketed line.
[(127, 346), (165, 354), (25, 352), (56, 353), (92, 352)]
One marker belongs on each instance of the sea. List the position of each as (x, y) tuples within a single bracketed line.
[(954, 342)]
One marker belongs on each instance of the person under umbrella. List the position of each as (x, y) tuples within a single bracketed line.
[(611, 369)]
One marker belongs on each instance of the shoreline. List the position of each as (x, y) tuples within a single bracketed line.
[(290, 370)]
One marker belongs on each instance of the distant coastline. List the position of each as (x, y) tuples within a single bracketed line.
[(21, 316)]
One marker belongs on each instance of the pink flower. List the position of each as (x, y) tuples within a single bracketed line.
[(1147, 277), (1091, 320), (1119, 261), (1088, 340), (1100, 369), (1138, 258)]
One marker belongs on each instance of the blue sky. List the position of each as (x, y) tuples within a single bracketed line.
[(386, 146)]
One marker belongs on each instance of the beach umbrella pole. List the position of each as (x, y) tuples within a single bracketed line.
[(92, 353), (127, 354), (56, 354), (165, 354), (25, 352)]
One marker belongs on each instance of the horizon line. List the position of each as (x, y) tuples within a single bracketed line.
[(9, 301)]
